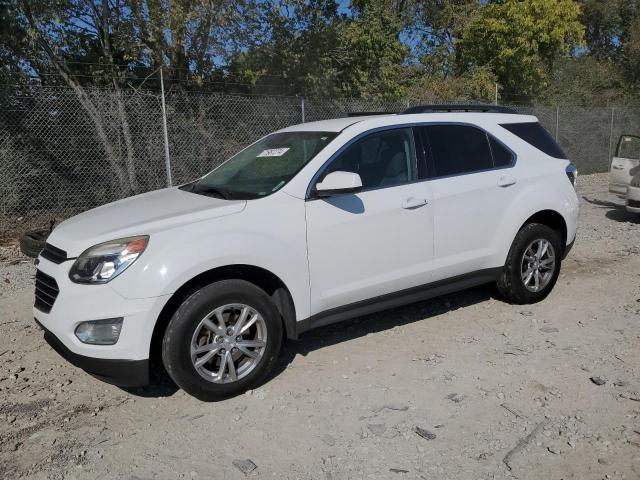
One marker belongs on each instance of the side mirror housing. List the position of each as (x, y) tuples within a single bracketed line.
[(337, 183)]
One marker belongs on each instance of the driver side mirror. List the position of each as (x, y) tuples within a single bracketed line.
[(338, 182)]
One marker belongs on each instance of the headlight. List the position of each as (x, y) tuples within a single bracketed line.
[(105, 261)]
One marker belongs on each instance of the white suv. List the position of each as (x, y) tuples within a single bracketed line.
[(309, 225)]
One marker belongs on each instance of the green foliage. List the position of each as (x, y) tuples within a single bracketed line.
[(391, 49), (476, 84), (521, 41), (585, 80), (359, 55)]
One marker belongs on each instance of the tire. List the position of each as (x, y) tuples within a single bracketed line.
[(511, 283), (32, 243), (186, 332)]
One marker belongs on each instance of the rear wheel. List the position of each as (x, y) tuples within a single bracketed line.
[(533, 264), (222, 340)]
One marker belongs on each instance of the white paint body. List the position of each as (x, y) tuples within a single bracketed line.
[(633, 195), (328, 252), (621, 172)]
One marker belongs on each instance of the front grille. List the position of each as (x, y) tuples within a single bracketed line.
[(53, 254), (633, 203), (46, 291)]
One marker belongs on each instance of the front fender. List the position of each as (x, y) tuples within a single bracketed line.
[(273, 243)]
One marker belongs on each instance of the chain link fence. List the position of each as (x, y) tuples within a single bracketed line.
[(64, 151)]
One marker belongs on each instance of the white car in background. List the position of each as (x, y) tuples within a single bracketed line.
[(633, 195), (624, 173), (310, 225)]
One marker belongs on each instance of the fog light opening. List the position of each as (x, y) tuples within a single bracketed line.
[(99, 332)]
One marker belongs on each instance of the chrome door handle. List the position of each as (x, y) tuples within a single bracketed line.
[(506, 181), (413, 202)]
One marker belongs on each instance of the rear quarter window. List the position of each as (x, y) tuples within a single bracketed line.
[(534, 134)]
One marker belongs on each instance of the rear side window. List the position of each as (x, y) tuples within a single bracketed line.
[(457, 149), (534, 134), (501, 155)]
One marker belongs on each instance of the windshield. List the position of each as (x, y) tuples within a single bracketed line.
[(264, 167)]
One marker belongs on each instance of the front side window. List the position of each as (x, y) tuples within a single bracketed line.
[(629, 147), (381, 159), (457, 149), (264, 167)]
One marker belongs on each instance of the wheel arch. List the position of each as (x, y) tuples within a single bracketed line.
[(553, 219), (262, 278)]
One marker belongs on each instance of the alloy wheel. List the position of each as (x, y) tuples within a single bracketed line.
[(538, 265), (228, 343)]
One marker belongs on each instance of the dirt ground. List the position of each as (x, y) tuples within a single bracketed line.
[(462, 387)]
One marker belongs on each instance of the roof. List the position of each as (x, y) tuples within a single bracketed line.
[(331, 125), (339, 124)]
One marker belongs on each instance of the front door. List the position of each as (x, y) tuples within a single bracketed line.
[(375, 242)]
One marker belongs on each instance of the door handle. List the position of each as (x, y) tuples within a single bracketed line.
[(618, 167), (413, 202), (505, 181)]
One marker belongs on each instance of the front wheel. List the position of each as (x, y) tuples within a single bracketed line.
[(532, 266), (222, 340)]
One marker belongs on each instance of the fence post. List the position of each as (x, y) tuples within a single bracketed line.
[(302, 112), (557, 122), (167, 159), (613, 109)]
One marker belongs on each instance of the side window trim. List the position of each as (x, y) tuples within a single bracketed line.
[(431, 164), (422, 140), (424, 156), (318, 175)]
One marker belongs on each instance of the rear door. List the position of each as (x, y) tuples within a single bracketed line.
[(625, 163), (472, 183)]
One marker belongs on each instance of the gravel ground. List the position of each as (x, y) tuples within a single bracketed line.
[(462, 387)]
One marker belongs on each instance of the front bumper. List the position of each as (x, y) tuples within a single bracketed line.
[(124, 373), (126, 362)]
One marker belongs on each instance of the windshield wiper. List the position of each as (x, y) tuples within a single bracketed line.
[(215, 191)]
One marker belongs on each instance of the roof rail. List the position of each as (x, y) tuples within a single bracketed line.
[(476, 107), (364, 114)]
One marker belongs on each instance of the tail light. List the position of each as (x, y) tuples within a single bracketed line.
[(572, 174)]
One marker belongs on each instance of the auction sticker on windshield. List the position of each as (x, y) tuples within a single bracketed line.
[(273, 152)]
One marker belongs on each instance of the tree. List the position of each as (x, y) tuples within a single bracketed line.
[(313, 50), (293, 57), (431, 30), (370, 54), (521, 41)]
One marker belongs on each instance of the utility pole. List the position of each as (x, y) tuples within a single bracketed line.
[(167, 159)]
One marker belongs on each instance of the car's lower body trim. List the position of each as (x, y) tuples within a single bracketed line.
[(396, 299)]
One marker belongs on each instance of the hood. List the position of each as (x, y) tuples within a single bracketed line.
[(140, 215)]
